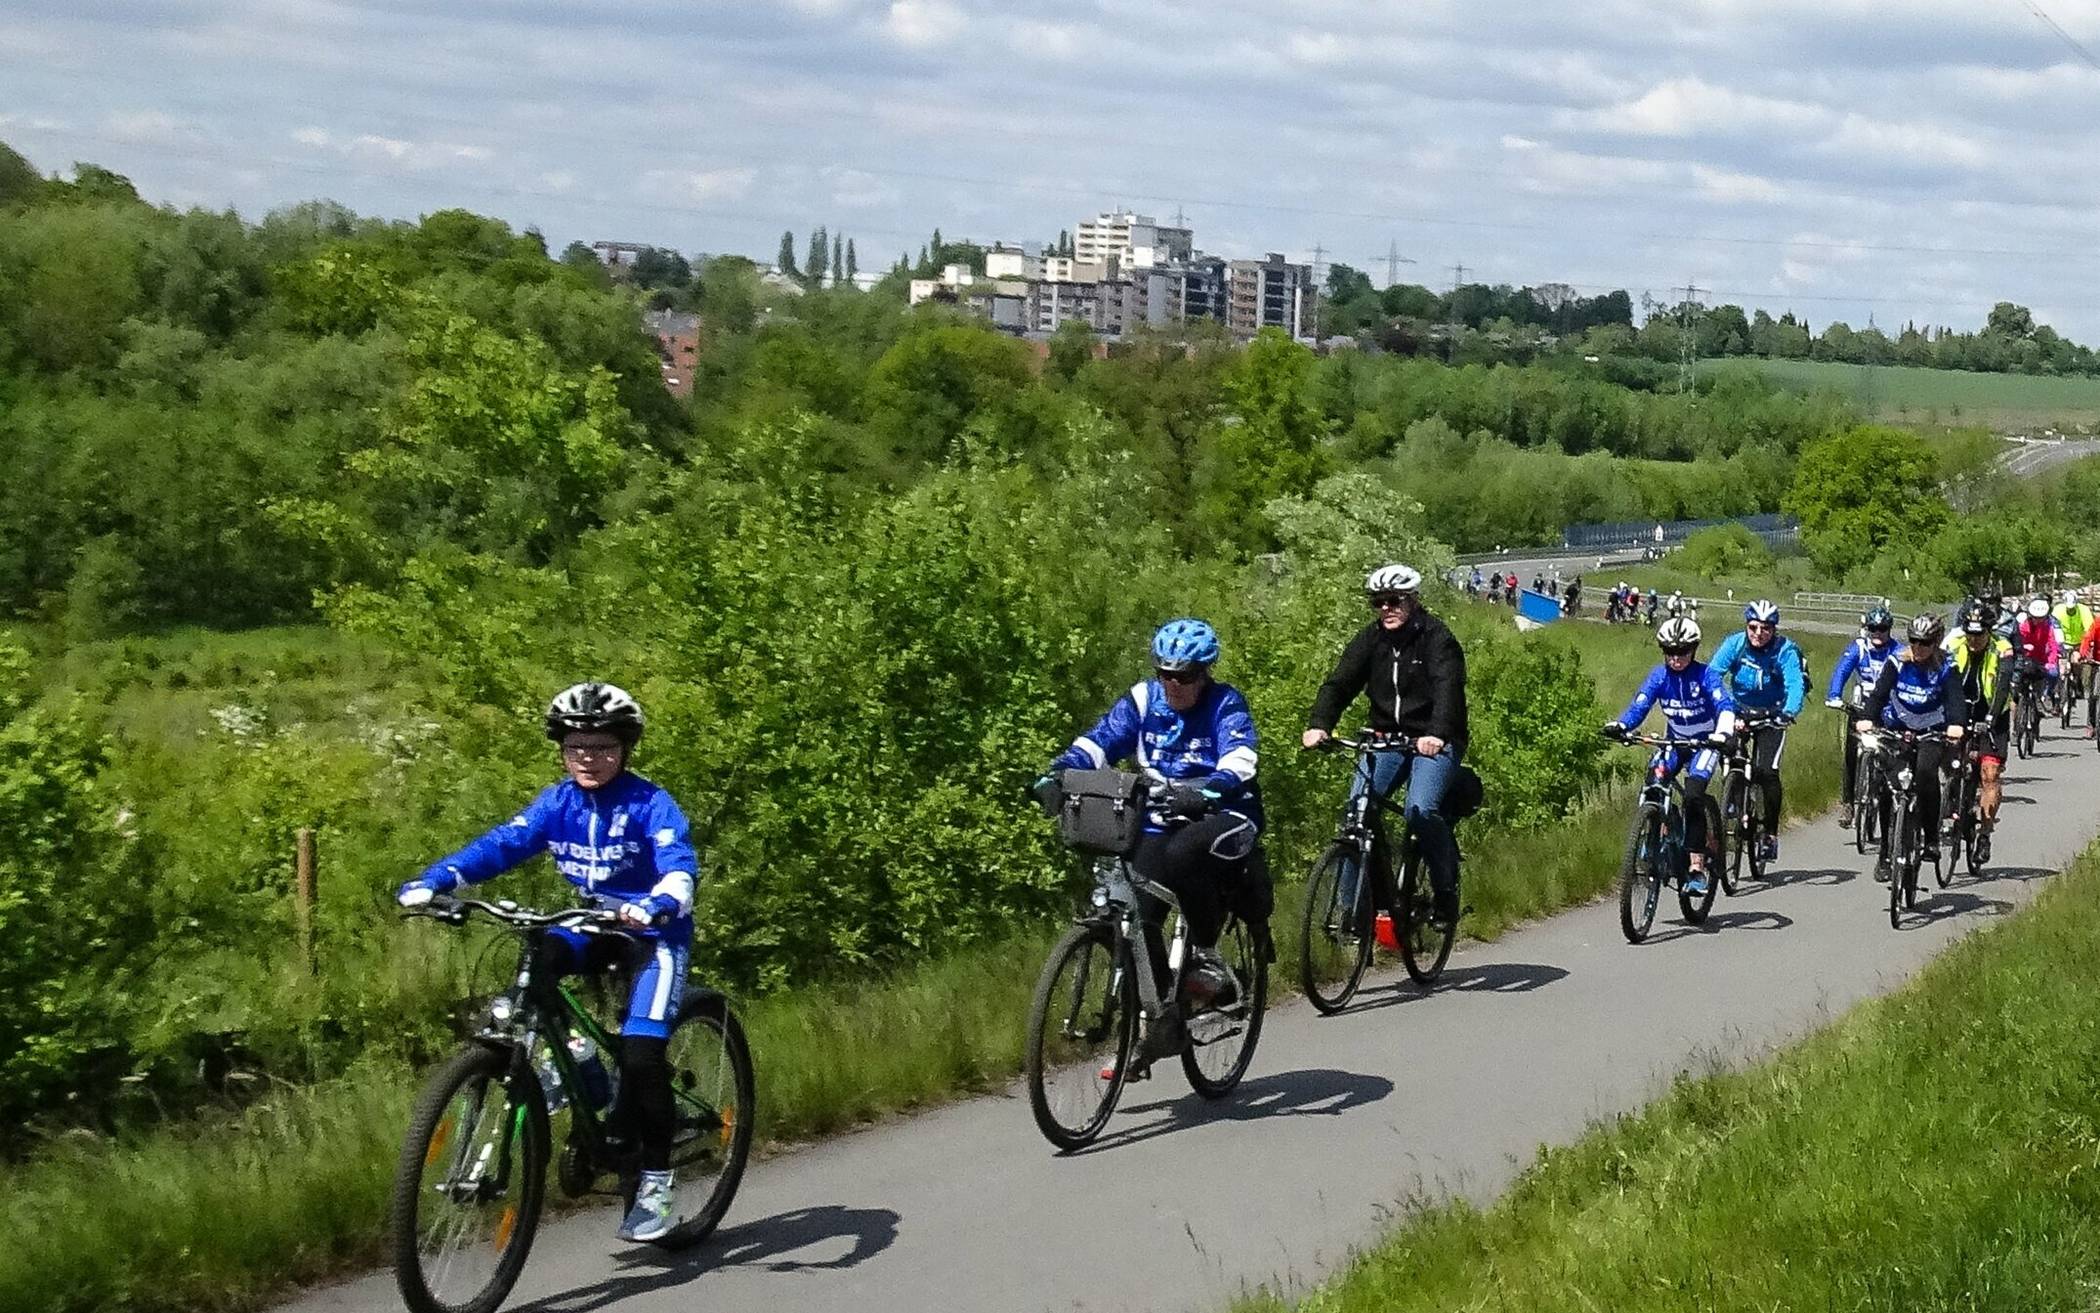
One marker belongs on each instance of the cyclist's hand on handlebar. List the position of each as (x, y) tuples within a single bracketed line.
[(414, 894), (1187, 800), (1835, 704), (1954, 733), (637, 916), (1312, 738), (1863, 726), (1612, 729)]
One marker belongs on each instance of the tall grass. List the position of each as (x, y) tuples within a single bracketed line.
[(1937, 1149), (222, 1213)]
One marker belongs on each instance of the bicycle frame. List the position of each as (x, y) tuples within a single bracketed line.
[(1118, 900)]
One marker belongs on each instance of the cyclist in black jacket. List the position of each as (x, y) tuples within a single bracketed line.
[(1414, 673)]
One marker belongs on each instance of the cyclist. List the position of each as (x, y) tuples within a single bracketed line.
[(1855, 675), (1920, 691), (2073, 618), (1653, 602), (2039, 643), (1411, 668), (1764, 673), (622, 841), (1195, 736), (1698, 716), (1981, 662)]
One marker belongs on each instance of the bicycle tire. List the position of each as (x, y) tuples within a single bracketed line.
[(1754, 830), (1894, 856), (1120, 1025), (426, 1142), (1239, 951), (1640, 875), (1424, 946), (1322, 889), (1695, 907), (725, 1126), (1731, 835)]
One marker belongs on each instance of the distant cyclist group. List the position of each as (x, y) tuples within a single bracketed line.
[(1177, 840)]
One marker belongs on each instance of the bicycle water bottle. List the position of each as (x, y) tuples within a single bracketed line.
[(597, 1081), (551, 1087)]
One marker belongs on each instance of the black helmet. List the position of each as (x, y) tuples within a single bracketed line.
[(1877, 618), (1925, 627), (605, 708)]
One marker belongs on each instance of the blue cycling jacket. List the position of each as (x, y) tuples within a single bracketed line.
[(625, 841), (1766, 679), (1212, 746), (1915, 697), (1862, 661), (1692, 700)]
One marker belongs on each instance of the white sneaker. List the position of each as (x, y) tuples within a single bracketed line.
[(651, 1216)]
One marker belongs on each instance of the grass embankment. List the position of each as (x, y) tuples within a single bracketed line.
[(221, 1215), (1937, 1149), (1935, 396)]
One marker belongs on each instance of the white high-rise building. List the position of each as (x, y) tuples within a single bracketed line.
[(1133, 241)]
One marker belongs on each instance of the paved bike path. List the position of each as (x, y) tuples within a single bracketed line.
[(1183, 1204)]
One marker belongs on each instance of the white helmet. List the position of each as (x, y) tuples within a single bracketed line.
[(2070, 597), (2038, 606), (1394, 579), (1677, 632)]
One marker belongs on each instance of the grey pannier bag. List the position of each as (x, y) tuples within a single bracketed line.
[(1102, 811)]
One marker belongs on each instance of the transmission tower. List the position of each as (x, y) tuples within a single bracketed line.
[(1688, 311), (1319, 257), (1393, 261), (1458, 280)]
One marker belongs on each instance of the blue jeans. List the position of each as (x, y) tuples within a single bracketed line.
[(1428, 778)]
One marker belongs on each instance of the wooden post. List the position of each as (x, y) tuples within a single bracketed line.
[(303, 904)]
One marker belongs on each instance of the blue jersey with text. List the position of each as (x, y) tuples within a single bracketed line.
[(1770, 678), (1212, 745), (1862, 661), (1924, 697), (1692, 700)]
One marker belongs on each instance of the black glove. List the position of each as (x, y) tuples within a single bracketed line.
[(1049, 793), (1187, 800), (1612, 729)]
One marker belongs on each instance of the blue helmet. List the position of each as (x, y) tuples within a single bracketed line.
[(1184, 645), (1763, 612)]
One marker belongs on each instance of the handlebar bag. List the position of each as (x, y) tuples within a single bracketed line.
[(1103, 811)]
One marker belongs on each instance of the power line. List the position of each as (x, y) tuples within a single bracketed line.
[(2056, 27)]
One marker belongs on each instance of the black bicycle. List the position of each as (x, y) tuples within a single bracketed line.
[(2026, 706), (1866, 787), (1742, 807), (1103, 1014), (1658, 851), (1970, 841), (472, 1176), (1353, 883), (1903, 828)]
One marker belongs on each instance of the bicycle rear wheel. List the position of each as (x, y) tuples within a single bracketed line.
[(1895, 854), (1641, 875), (1222, 1038), (1425, 945), (1334, 942), (1732, 838), (469, 1183), (1694, 907), (1081, 1027), (1754, 829), (713, 1091)]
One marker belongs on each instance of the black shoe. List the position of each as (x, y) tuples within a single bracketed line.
[(1446, 910), (1844, 816)]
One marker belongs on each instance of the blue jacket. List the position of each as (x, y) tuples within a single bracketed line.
[(1213, 746), (1692, 700), (1767, 679), (1862, 660), (623, 842), (1910, 696)]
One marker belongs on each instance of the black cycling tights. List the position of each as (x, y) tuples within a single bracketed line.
[(650, 1114), (1200, 862)]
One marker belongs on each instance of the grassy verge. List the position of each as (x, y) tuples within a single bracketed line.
[(221, 1214), (1936, 1149)]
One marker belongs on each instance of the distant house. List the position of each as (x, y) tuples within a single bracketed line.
[(678, 346)]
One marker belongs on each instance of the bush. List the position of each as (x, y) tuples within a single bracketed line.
[(1725, 549)]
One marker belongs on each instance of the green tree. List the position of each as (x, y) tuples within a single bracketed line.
[(819, 258), (838, 259), (1725, 550), (1863, 490), (852, 265), (1270, 443), (785, 261), (20, 183), (2010, 320)]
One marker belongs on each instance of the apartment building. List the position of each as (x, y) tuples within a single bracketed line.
[(1132, 241), (1267, 293)]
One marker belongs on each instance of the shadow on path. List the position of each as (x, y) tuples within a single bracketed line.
[(1315, 1092), (766, 1244), (1826, 875), (1938, 905), (1483, 978), (1747, 919)]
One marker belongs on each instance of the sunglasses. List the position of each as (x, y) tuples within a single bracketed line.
[(1180, 676), (1392, 601), (590, 751), (1679, 651), (1758, 627)]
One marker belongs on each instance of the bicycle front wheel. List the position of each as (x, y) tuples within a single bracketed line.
[(1425, 943), (1733, 835), (714, 1093), (1641, 875), (1222, 1037), (469, 1183), (1082, 1026), (1754, 829), (1335, 938)]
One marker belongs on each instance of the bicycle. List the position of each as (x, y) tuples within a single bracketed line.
[(1901, 852), (1101, 1008), (1340, 925), (1866, 784), (2026, 707), (1970, 843), (1742, 806), (472, 1176), (1657, 852), (2073, 691)]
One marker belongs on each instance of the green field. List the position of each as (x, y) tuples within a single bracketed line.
[(2007, 402)]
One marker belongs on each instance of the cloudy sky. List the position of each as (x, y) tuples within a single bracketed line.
[(1908, 159)]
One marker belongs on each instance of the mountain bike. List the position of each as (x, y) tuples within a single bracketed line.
[(472, 1175), (1866, 786), (1902, 843), (2026, 706), (1742, 807), (2072, 692), (1657, 852), (1103, 1012), (1352, 882), (1969, 843)]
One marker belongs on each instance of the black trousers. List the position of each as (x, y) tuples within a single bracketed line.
[(1767, 743)]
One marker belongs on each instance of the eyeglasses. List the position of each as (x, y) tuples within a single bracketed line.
[(1180, 676), (1392, 601), (1758, 627), (589, 751), (1679, 651)]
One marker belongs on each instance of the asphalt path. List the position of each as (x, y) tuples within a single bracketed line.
[(1340, 1122), (2027, 459)]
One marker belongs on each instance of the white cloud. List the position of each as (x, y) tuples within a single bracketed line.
[(558, 180), (311, 137), (859, 190), (1910, 143), (147, 127), (1689, 107), (1729, 187), (704, 187), (924, 23)]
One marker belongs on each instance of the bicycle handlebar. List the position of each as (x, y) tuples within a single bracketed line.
[(1370, 743), (454, 911)]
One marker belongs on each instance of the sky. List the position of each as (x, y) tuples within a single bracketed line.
[(1909, 161)]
